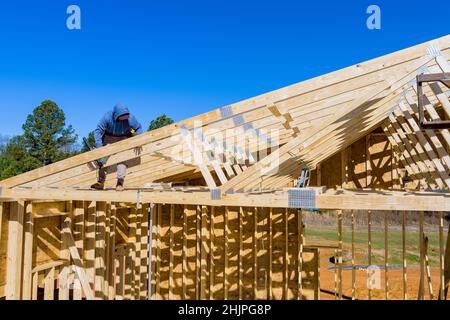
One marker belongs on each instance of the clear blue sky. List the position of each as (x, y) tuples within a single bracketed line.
[(183, 58)]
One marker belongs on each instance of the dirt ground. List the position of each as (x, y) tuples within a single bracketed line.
[(395, 279)]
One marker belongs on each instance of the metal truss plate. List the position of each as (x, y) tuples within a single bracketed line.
[(226, 112), (301, 198), (238, 120), (215, 194)]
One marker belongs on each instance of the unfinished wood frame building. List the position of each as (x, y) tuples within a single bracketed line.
[(213, 204)]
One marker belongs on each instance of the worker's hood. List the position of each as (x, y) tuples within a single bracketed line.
[(119, 110)]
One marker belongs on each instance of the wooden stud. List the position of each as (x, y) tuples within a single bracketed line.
[(185, 266), (386, 256), (369, 246), (128, 277), (269, 292), (211, 255), (319, 175), (255, 253), (404, 269), (286, 254), (447, 266), (1, 219), (120, 288), (198, 254), (77, 262), (153, 270), (340, 251), (90, 210), (241, 253), (145, 253), (14, 257), (421, 257), (441, 257), (335, 275), (79, 235), (63, 283), (35, 286), (427, 268), (204, 252), (135, 246), (225, 254), (28, 253), (301, 241), (107, 248), (171, 247), (100, 250), (344, 168), (368, 163), (111, 252), (158, 254), (353, 256), (49, 284)]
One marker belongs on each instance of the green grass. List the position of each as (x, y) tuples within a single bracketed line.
[(394, 244)]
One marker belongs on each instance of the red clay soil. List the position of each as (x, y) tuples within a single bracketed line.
[(395, 279)]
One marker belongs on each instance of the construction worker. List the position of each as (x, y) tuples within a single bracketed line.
[(116, 125)]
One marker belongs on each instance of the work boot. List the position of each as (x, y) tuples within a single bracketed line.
[(119, 186), (98, 186)]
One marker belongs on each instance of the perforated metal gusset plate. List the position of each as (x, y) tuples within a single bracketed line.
[(215, 194), (248, 126), (226, 112), (238, 120), (301, 198)]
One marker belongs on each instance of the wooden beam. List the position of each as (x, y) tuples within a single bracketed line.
[(158, 254), (15, 250), (353, 256), (28, 253), (49, 284), (212, 252), (171, 248), (447, 265), (441, 257), (369, 247), (185, 264), (90, 211), (79, 236), (301, 241), (333, 200), (204, 252), (1, 219), (386, 255), (100, 250), (421, 293), (145, 253), (304, 143), (255, 253), (340, 217), (269, 287), (241, 253), (198, 252), (404, 269), (77, 262), (225, 253), (368, 163)]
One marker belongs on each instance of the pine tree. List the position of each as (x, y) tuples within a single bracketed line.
[(160, 122), (46, 136)]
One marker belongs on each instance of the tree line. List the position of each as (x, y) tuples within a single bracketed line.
[(46, 139)]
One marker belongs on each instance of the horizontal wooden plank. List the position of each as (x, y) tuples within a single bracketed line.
[(331, 199)]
